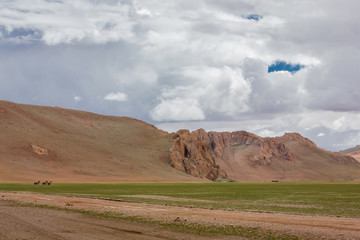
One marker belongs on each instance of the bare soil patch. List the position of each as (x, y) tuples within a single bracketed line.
[(310, 227)]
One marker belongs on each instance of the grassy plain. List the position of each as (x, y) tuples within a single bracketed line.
[(332, 199)]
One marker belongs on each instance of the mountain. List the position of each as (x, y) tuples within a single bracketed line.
[(62, 145), (353, 152), (243, 156), (51, 143)]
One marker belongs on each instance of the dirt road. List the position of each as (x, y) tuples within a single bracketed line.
[(44, 224), (64, 224)]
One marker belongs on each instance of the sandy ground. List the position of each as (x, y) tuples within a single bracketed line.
[(64, 225)]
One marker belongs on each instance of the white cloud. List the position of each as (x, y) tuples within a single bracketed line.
[(214, 89), (144, 12), (321, 134), (69, 21), (116, 96), (177, 110), (77, 98)]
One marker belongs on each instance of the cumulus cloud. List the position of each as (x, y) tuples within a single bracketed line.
[(274, 92), (177, 110), (221, 90), (116, 96)]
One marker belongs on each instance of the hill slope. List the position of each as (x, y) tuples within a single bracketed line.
[(74, 146), (353, 152)]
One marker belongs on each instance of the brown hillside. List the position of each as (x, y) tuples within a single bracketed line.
[(46, 143), (316, 164), (353, 152), (247, 157)]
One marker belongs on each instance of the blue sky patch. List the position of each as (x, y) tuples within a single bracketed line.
[(283, 66), (255, 17)]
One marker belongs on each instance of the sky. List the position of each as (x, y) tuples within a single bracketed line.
[(264, 66)]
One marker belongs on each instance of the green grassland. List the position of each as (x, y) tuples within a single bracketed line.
[(332, 199)]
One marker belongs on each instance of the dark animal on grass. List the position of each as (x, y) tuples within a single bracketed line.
[(37, 183), (44, 183), (49, 183)]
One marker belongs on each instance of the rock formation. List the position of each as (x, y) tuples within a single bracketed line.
[(39, 150), (198, 152), (191, 154), (244, 156)]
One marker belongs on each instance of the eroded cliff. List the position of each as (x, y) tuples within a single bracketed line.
[(191, 154)]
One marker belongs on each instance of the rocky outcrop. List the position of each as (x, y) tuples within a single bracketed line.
[(273, 148), (196, 153), (39, 150), (191, 154)]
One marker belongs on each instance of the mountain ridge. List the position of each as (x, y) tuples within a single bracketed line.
[(244, 156), (39, 142)]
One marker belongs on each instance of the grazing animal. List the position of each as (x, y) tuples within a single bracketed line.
[(275, 181), (44, 183), (49, 183), (37, 183)]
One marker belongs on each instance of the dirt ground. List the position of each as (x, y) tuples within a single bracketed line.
[(39, 223), (44, 224)]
